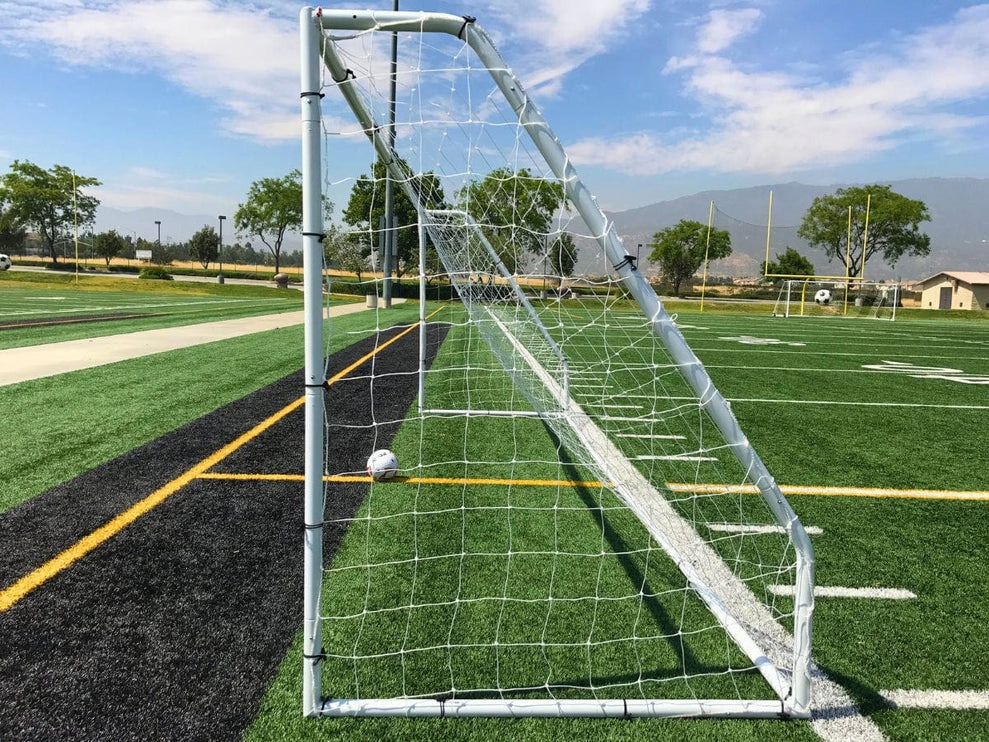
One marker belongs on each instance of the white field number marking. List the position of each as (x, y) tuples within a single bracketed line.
[(975, 700), (926, 372), (750, 340)]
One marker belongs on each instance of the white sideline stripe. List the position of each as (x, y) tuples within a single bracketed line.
[(741, 528), (835, 715), (960, 700), (871, 593), (651, 437)]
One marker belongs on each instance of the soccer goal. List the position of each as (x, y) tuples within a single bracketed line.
[(812, 297), (579, 526)]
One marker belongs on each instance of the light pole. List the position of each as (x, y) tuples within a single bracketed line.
[(219, 252), (158, 243)]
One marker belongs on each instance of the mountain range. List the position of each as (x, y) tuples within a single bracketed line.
[(959, 226)]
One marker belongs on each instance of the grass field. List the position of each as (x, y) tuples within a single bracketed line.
[(876, 430)]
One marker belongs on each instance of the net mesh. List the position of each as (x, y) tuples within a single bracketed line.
[(568, 522)]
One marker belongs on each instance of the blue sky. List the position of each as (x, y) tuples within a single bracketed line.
[(181, 104)]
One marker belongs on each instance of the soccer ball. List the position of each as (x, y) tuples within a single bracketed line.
[(382, 465), (823, 297), (4, 262)]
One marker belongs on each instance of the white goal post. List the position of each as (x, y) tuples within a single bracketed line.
[(606, 555)]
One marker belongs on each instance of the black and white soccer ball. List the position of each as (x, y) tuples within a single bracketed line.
[(4, 262), (382, 465), (823, 296)]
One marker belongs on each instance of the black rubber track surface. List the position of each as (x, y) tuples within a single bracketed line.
[(174, 628)]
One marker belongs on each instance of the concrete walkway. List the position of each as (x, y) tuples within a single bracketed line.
[(38, 361)]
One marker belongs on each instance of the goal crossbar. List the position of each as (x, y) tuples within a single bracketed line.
[(733, 604)]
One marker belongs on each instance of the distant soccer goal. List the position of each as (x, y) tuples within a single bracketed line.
[(812, 297), (578, 525)]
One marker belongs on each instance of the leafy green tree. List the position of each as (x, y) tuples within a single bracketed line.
[(515, 211), (680, 249), (366, 207), (273, 206), (12, 231), (109, 245), (893, 228), (788, 263), (204, 247), (51, 201)]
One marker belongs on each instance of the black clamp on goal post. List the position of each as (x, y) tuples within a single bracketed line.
[(629, 260)]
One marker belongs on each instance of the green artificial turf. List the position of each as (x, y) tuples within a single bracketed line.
[(803, 396), (37, 308), (59, 426)]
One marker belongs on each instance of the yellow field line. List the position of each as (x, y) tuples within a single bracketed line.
[(15, 592), (786, 489)]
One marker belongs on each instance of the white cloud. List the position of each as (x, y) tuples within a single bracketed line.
[(571, 26), (139, 186), (241, 58), (724, 26), (554, 37), (244, 59), (775, 123)]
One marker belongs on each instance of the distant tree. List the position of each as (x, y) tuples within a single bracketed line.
[(515, 210), (562, 256), (273, 206), (789, 263), (346, 253), (109, 245), (204, 247), (366, 207), (679, 250), (893, 229), (51, 201)]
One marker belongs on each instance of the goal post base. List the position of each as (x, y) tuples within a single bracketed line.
[(561, 708)]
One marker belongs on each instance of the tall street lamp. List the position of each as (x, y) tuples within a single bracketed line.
[(158, 224), (219, 252)]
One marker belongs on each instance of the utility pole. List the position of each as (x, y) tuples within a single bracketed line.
[(219, 252), (390, 239)]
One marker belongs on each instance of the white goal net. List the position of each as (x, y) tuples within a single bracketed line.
[(579, 526), (816, 297)]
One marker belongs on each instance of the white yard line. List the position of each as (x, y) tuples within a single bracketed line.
[(836, 591), (843, 403), (38, 361), (675, 457), (960, 700), (47, 310), (758, 530), (785, 350)]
